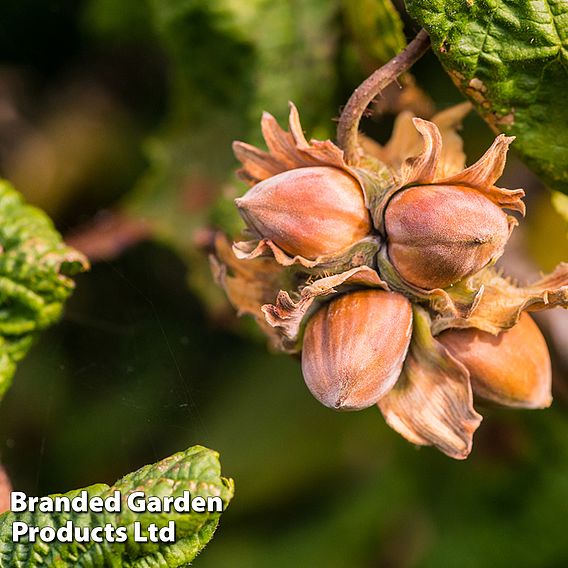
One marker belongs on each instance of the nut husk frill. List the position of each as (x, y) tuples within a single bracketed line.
[(437, 235), (354, 348), (310, 212), (512, 368)]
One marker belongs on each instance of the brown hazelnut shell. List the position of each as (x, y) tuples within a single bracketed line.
[(438, 235), (354, 348), (512, 368), (310, 212)]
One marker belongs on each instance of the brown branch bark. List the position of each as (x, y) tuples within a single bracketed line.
[(109, 234), (348, 127)]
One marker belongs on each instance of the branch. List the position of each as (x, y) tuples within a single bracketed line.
[(348, 127), (109, 234)]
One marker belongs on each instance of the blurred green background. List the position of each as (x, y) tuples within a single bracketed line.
[(116, 117)]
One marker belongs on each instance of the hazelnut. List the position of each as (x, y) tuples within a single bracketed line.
[(354, 348), (437, 234), (310, 212), (512, 368)]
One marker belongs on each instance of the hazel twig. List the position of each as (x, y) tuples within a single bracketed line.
[(348, 127)]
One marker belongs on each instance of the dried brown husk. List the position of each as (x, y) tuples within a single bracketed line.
[(249, 284), (289, 313), (359, 254), (281, 298), (406, 142), (432, 402), (286, 151), (501, 301)]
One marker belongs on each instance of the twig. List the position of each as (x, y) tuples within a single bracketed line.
[(109, 234), (348, 127)]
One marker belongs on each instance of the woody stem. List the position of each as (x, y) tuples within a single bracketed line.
[(348, 127)]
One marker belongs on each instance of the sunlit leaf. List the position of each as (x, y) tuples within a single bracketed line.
[(560, 202), (196, 470)]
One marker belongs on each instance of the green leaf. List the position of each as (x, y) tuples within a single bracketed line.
[(376, 28), (196, 470), (511, 60), (35, 270)]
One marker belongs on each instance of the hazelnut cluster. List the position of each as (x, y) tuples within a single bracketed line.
[(380, 274)]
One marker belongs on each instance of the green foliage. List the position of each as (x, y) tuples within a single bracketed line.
[(510, 59), (35, 270), (123, 19), (196, 470), (376, 27), (227, 62)]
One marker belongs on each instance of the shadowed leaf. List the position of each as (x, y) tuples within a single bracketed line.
[(35, 270)]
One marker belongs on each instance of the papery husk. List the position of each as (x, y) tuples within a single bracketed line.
[(359, 254), (501, 302), (289, 314), (249, 284), (406, 141), (432, 402), (280, 298), (434, 166), (457, 301), (286, 151)]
